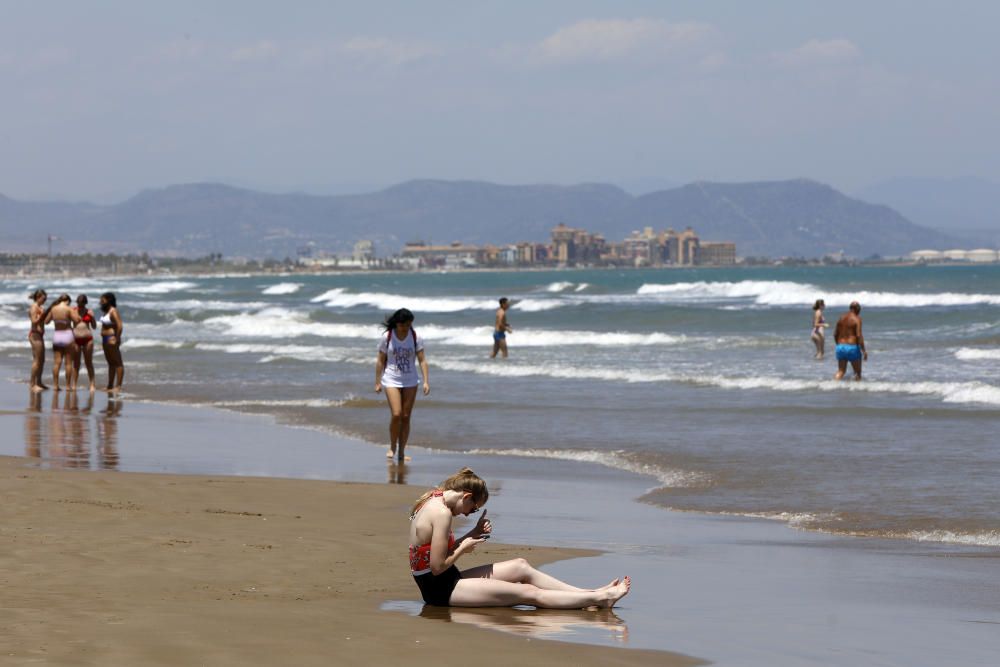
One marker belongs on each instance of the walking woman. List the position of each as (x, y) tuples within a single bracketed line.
[(83, 332), (63, 319), (818, 339), (434, 551), (111, 339), (36, 336), (399, 350)]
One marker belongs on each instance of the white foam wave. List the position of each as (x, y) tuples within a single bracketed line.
[(561, 286), (949, 392), (199, 305), (974, 354), (985, 539), (581, 287), (666, 477), (786, 293), (137, 343), (340, 298), (282, 288), (275, 352), (158, 287), (291, 403)]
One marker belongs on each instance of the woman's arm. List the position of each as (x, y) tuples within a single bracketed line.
[(424, 370), (482, 527), (441, 560), (379, 369), (116, 320)]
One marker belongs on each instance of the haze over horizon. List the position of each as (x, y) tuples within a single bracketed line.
[(105, 100)]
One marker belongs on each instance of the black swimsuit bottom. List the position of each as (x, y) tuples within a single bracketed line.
[(437, 589)]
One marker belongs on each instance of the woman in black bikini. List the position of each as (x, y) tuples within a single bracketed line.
[(504, 584)]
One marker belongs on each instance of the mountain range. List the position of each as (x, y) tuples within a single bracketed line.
[(775, 218)]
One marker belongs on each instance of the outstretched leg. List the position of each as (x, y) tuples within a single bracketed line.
[(496, 593), (409, 397), (520, 571), (394, 398)]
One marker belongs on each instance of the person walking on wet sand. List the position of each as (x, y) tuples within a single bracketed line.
[(501, 329), (434, 551), (399, 351), (850, 342)]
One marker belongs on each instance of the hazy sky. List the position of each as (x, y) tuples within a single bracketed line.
[(101, 99)]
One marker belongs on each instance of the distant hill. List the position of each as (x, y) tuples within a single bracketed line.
[(800, 218), (965, 207)]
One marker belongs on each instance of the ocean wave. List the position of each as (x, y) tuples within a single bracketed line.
[(973, 354), (581, 287), (198, 305), (667, 477), (786, 293), (275, 352), (974, 392), (159, 287), (282, 288), (989, 538), (340, 298), (138, 343), (560, 286), (290, 403)]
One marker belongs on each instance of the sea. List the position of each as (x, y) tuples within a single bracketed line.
[(701, 381)]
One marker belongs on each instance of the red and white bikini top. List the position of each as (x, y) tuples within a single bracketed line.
[(420, 557)]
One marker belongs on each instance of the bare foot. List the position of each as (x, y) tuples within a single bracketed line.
[(58, 388), (389, 453), (403, 459), (37, 389), (92, 388), (614, 582), (616, 593)]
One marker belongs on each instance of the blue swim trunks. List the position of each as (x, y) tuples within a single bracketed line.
[(848, 352), (499, 335)]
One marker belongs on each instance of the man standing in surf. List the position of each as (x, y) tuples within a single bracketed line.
[(501, 329), (850, 342)]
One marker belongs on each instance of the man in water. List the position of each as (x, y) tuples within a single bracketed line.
[(850, 342), (501, 329)]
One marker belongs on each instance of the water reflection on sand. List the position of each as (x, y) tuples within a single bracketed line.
[(63, 431), (593, 627)]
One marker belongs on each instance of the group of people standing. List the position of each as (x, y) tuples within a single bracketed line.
[(73, 339), (847, 335)]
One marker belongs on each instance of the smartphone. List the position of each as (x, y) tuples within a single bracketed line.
[(485, 536)]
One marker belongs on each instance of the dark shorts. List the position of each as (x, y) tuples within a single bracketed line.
[(436, 590), (499, 335), (848, 352)]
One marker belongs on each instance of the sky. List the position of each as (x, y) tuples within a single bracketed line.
[(100, 100)]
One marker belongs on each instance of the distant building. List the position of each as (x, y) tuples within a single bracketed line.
[(576, 246), (681, 247), (456, 254), (716, 253), (364, 251), (979, 255)]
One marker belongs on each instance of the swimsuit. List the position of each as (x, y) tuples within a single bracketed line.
[(435, 589), (848, 352), (106, 323), (83, 340), (62, 337), (818, 329), (499, 335)]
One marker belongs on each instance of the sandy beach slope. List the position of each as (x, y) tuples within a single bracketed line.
[(119, 568)]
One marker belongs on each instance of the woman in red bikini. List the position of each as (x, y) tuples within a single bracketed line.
[(505, 584), (36, 336), (83, 332)]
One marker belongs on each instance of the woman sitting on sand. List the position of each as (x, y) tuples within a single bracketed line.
[(36, 336), (504, 584), (63, 318), (399, 351), (111, 338)]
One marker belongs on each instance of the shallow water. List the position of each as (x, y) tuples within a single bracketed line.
[(700, 379)]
